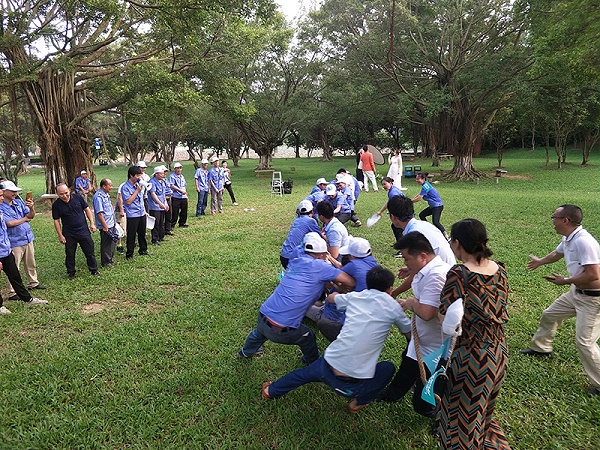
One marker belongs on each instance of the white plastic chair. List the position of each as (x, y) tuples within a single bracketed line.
[(277, 184)]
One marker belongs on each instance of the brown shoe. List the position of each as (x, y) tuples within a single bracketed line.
[(353, 408), (264, 393)]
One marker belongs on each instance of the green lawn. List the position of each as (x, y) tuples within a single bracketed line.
[(144, 357)]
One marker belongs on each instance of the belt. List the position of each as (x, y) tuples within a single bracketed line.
[(275, 325), (590, 292)]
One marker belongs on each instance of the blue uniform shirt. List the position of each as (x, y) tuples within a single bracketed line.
[(79, 181), (395, 192), (159, 187), (300, 287), (136, 208), (177, 181), (302, 225), (21, 234), (215, 174), (202, 176), (4, 242), (102, 204), (357, 269), (430, 195)]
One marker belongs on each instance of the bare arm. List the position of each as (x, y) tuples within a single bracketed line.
[(588, 279), (535, 262), (417, 198), (425, 312), (90, 217), (345, 280), (58, 229), (102, 221)]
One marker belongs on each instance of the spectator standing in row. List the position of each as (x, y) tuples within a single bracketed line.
[(133, 203), (202, 188), (179, 199), (105, 221), (72, 211), (227, 182), (7, 264), (17, 215), (157, 203), (217, 185), (146, 179)]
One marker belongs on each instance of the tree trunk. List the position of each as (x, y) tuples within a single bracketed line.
[(264, 158), (63, 141)]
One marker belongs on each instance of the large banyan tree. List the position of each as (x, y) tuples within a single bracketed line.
[(458, 61), (74, 58)]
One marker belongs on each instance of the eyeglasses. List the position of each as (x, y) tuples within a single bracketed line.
[(558, 217)]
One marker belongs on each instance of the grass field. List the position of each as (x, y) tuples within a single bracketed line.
[(144, 356)]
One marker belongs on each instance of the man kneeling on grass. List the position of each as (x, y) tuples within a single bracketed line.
[(349, 365)]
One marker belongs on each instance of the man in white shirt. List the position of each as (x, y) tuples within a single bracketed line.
[(349, 365), (581, 253), (428, 281), (402, 214)]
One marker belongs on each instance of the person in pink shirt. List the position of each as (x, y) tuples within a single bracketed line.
[(368, 168)]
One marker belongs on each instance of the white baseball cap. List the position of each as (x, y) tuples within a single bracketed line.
[(82, 172), (205, 161), (313, 243), (341, 178), (141, 164), (176, 165), (10, 186), (331, 189), (358, 247), (214, 158), (321, 181), (305, 207), (159, 169)]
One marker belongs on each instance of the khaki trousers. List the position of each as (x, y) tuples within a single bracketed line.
[(585, 310), (26, 254)]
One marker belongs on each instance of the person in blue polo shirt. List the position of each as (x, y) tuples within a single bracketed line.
[(71, 211), (303, 224), (105, 221), (334, 232), (8, 266), (431, 196), (83, 185), (179, 198), (17, 215), (157, 203), (133, 203), (202, 188), (280, 316), (216, 181)]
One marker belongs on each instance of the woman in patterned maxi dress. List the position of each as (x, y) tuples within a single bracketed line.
[(480, 358)]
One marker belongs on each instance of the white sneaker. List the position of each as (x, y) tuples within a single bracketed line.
[(4, 310), (235, 203), (36, 301)]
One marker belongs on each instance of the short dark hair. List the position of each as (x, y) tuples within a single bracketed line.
[(415, 243), (573, 213), (389, 180), (401, 207), (325, 209), (342, 170), (380, 279), (422, 175), (472, 236), (103, 182), (133, 170)]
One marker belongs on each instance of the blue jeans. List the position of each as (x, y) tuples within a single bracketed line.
[(303, 337), (363, 390), (202, 202)]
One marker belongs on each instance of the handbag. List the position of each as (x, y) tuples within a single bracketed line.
[(436, 384)]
